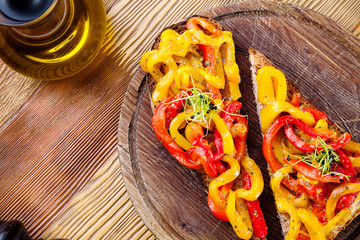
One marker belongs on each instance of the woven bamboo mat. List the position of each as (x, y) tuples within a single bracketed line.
[(102, 208)]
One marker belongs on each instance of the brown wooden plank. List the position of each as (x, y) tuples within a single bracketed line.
[(314, 52)]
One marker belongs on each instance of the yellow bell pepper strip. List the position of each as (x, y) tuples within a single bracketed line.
[(240, 221), (280, 150), (271, 85), (336, 194), (158, 124), (269, 113), (216, 203), (218, 209), (342, 217), (171, 43), (227, 140), (256, 215), (193, 132), (280, 191), (286, 207), (306, 147), (228, 115), (183, 76), (256, 181), (211, 79), (234, 90), (312, 224), (283, 204), (162, 87), (174, 126), (355, 161), (322, 128), (352, 147), (156, 74)]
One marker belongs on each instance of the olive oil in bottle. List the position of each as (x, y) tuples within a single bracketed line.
[(50, 39)]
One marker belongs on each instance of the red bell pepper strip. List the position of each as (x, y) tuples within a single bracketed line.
[(319, 212), (346, 200), (217, 211), (268, 142), (220, 167), (268, 152), (277, 125), (256, 215), (316, 192), (208, 52), (230, 109), (295, 99), (314, 173), (306, 147), (317, 114), (202, 153), (240, 147), (174, 108), (203, 24), (302, 237), (209, 58), (215, 93), (226, 115), (158, 124), (219, 146), (346, 163)]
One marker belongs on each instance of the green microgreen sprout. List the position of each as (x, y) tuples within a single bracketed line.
[(202, 104), (322, 158)]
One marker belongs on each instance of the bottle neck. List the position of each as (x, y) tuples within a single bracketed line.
[(48, 24)]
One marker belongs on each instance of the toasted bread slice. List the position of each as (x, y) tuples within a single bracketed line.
[(257, 61), (180, 28)]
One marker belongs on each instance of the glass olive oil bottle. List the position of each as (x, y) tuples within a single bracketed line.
[(50, 39)]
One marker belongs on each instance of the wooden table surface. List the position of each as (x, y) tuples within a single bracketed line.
[(63, 135)]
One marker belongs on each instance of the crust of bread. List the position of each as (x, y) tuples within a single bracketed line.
[(257, 61)]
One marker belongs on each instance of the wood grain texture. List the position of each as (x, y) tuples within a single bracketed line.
[(320, 57), (63, 139)]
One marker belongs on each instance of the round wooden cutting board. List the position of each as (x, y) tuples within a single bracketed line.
[(319, 56)]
